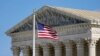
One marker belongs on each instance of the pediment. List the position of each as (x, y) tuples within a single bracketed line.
[(53, 16), (25, 25)]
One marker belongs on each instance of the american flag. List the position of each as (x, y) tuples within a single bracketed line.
[(45, 31)]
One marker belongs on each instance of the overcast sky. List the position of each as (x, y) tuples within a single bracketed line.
[(13, 11)]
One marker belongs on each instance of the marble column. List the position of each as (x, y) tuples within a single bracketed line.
[(46, 49), (26, 51), (58, 48), (16, 51), (68, 47), (80, 47), (37, 50), (92, 47)]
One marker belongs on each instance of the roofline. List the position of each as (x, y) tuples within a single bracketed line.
[(47, 6), (18, 25)]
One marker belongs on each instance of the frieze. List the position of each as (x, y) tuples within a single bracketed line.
[(22, 36), (21, 39), (72, 29), (76, 29)]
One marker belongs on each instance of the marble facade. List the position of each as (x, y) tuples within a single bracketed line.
[(78, 32)]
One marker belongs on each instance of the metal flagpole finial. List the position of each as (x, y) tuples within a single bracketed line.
[(34, 14), (34, 11)]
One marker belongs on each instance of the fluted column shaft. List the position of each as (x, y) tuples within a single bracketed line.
[(68, 51), (58, 51), (80, 47), (92, 47), (26, 51), (57, 48), (16, 51), (37, 50), (46, 51), (68, 47), (47, 47), (92, 50)]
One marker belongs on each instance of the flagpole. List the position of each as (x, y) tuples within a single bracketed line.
[(33, 16)]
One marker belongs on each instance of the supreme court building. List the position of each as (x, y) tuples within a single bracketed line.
[(78, 32)]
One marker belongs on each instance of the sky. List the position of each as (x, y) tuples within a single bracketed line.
[(14, 11)]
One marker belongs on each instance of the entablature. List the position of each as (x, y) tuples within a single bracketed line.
[(75, 29), (75, 26), (22, 36)]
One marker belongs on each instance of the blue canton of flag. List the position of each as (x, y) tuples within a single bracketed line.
[(45, 31)]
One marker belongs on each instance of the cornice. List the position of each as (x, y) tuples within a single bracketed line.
[(75, 26), (23, 33)]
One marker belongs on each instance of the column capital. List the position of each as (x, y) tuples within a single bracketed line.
[(92, 42), (25, 48), (79, 42), (80, 46), (68, 47), (46, 49), (37, 46), (46, 45), (92, 46), (16, 50), (57, 44), (38, 50), (68, 43), (58, 48)]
